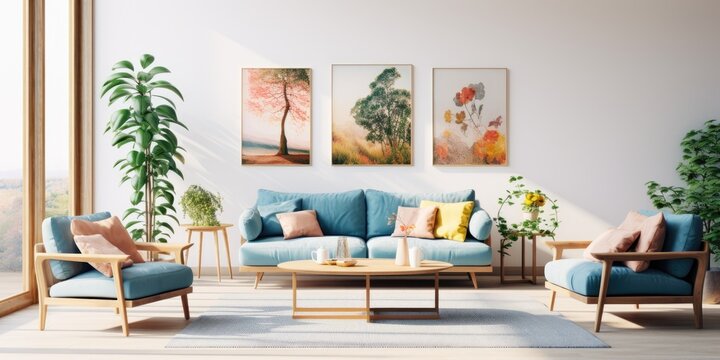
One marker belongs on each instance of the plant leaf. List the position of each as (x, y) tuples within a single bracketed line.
[(146, 60), (123, 64)]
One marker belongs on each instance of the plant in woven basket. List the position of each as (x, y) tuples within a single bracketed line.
[(201, 206)]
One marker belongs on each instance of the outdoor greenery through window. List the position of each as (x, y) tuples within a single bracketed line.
[(11, 147)]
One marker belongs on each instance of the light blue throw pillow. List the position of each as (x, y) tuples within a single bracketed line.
[(270, 224), (480, 223), (250, 224)]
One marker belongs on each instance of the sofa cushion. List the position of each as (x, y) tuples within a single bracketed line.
[(611, 241), (583, 277), (471, 252), (98, 244), (683, 232), (250, 224), (112, 230), (415, 222), (58, 238), (299, 224), (381, 204), (340, 213), (274, 250), (139, 281), (268, 213)]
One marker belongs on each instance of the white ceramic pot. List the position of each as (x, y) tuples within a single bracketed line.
[(711, 290)]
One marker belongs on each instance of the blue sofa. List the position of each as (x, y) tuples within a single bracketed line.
[(361, 216), (675, 275)]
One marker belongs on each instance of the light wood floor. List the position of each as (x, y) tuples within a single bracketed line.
[(653, 332)]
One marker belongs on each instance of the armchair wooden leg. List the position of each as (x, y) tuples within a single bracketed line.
[(604, 281), (258, 277), (553, 295), (124, 320), (120, 294), (637, 306), (473, 278), (186, 308), (117, 311), (697, 309), (43, 315)]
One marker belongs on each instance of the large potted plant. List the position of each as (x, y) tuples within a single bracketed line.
[(144, 125), (700, 170)]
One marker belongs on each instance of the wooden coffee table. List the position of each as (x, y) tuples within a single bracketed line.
[(367, 268)]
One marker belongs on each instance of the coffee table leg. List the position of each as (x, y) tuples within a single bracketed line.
[(294, 293), (367, 298)]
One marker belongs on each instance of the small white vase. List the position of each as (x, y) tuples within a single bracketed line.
[(531, 215), (401, 254)]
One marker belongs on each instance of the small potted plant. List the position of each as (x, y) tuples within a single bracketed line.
[(534, 200), (201, 206)]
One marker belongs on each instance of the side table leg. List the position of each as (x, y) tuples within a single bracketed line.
[(200, 254), (522, 258), (534, 260), (227, 252), (189, 240), (437, 294), (217, 255)]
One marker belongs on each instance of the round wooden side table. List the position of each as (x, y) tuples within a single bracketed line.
[(212, 229)]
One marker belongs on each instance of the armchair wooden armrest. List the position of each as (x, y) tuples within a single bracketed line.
[(559, 246), (630, 256), (176, 249), (112, 259)]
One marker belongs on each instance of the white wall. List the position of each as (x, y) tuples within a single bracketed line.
[(600, 92)]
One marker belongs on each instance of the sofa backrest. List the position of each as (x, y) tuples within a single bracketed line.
[(58, 238), (381, 204), (683, 232), (341, 213)]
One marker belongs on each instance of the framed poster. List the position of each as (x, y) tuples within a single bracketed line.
[(276, 116), (372, 112), (470, 116)]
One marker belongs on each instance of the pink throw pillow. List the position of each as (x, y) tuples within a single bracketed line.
[(112, 230), (299, 223), (423, 219), (97, 244), (652, 236), (611, 241)]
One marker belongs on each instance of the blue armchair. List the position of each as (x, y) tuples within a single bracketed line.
[(65, 278), (676, 274)]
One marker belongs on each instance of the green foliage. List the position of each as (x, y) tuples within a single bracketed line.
[(201, 206), (700, 170), (145, 128), (386, 114), (512, 232)]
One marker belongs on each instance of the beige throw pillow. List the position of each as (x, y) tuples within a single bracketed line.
[(112, 230), (299, 223), (97, 244), (652, 236), (423, 219), (611, 241)]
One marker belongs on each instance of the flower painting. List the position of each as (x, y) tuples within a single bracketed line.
[(276, 116), (372, 114), (470, 117)]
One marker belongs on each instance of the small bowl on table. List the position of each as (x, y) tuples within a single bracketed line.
[(346, 262)]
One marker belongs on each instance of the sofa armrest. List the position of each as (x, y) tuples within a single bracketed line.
[(176, 249), (559, 246), (249, 224)]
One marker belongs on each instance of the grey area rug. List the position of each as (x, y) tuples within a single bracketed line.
[(469, 319)]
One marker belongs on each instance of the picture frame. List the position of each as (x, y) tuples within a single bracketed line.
[(470, 117)]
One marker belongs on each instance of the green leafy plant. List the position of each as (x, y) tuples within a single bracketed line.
[(700, 170), (201, 206), (145, 127), (530, 199)]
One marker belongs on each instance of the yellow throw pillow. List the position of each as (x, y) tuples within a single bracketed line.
[(452, 219)]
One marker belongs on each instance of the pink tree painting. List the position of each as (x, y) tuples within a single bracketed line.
[(276, 115)]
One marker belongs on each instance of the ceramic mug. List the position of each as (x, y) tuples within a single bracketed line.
[(320, 255), (416, 256)]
